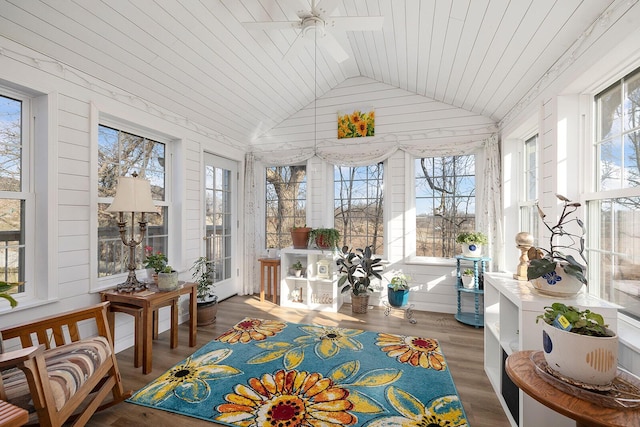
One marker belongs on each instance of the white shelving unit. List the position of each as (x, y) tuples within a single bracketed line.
[(315, 292), (510, 311)]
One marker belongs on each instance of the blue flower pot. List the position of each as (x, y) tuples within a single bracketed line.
[(398, 298)]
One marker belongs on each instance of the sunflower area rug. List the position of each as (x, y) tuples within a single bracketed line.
[(280, 374)]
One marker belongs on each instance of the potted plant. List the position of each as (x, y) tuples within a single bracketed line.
[(578, 345), (207, 301), (357, 268), (551, 271), (398, 290), (468, 278), (167, 279), (300, 237), (154, 262), (297, 268), (472, 242), (325, 238)]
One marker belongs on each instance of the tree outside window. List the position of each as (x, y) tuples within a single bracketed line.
[(121, 154), (445, 203), (358, 206), (613, 244), (13, 194), (286, 198)]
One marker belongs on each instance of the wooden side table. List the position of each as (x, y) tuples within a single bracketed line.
[(150, 300), (12, 416), (522, 372), (271, 265)]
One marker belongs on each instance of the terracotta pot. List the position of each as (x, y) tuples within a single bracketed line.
[(300, 237)]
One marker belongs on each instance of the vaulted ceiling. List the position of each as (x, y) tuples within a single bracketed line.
[(196, 58)]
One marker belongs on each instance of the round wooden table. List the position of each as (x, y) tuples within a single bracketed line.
[(522, 372)]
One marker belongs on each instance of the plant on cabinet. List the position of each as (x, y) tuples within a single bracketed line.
[(468, 278), (325, 238), (297, 268), (551, 271), (207, 301)]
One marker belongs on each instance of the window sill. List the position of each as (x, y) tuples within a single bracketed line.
[(442, 262), (25, 304)]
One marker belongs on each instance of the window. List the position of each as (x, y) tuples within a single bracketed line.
[(613, 246), (286, 199), (358, 206), (121, 154), (529, 218), (15, 197), (445, 203)]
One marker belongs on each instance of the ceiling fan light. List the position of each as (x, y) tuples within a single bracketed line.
[(313, 27)]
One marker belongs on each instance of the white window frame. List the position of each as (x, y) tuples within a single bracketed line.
[(174, 255), (39, 185), (525, 205)]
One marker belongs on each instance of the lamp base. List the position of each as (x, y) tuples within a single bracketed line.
[(132, 284)]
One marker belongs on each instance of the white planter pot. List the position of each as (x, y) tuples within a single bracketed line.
[(582, 358), (468, 282), (472, 250), (168, 281), (557, 284)]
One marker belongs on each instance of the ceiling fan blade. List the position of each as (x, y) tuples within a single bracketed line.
[(271, 25), (355, 23), (331, 45), (295, 47), (326, 7)]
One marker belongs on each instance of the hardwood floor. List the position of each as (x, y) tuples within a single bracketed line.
[(462, 346)]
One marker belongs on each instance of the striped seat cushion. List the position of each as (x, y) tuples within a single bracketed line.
[(68, 366)]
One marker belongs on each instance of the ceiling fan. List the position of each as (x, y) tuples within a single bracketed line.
[(315, 25)]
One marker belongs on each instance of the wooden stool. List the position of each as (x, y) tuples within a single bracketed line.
[(136, 312), (271, 264)]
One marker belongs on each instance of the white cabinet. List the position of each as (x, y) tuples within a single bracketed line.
[(510, 312), (317, 288)]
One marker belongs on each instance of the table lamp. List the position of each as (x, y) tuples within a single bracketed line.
[(133, 195)]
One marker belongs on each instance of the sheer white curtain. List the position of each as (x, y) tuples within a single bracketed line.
[(360, 154)]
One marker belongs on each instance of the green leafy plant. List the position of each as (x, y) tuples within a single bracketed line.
[(476, 237), (5, 287), (468, 272), (155, 260), (325, 237), (203, 275), (543, 261), (399, 282), (297, 265), (167, 269), (583, 322), (357, 268)]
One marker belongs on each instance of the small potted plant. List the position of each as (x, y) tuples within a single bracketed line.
[(552, 271), (578, 345), (472, 242), (167, 279), (154, 262), (325, 238), (297, 268), (207, 301), (398, 290), (357, 267), (468, 278)]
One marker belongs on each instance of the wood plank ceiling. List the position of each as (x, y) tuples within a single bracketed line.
[(196, 59)]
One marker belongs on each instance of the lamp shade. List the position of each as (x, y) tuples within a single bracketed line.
[(132, 195)]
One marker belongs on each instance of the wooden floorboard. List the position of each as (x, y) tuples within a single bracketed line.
[(461, 344)]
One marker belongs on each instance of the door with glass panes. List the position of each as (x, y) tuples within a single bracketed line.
[(220, 216)]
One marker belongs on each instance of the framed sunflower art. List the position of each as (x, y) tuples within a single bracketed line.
[(359, 122)]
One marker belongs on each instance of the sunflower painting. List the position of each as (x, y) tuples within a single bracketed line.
[(357, 123)]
